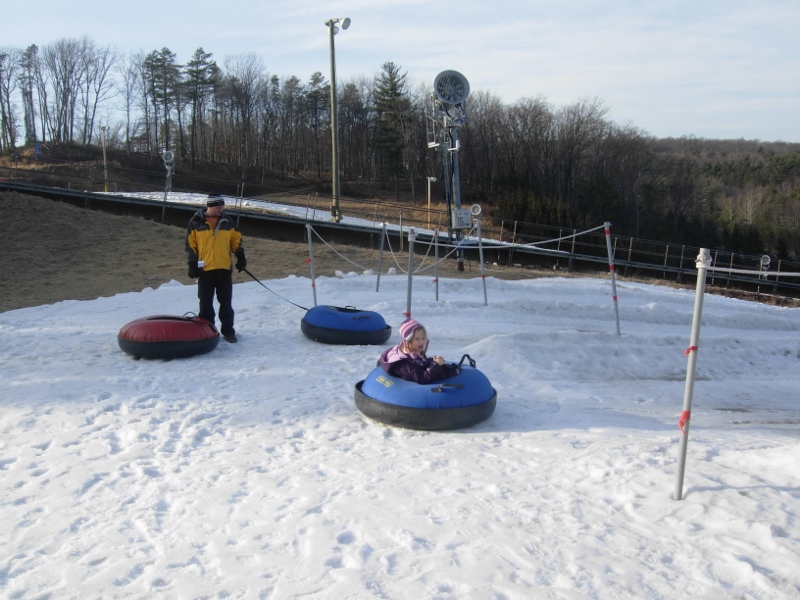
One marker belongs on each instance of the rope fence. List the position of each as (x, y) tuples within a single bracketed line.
[(558, 239), (334, 250), (433, 242)]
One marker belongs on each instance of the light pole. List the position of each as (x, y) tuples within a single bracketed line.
[(169, 161), (333, 30), (105, 164), (430, 179)]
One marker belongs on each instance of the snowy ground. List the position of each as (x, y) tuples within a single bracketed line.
[(249, 473)]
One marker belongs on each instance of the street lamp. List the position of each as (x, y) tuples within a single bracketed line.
[(105, 164), (430, 179), (333, 30), (169, 161)]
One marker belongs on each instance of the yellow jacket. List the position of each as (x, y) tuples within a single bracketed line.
[(212, 245)]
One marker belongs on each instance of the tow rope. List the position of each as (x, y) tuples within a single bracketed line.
[(274, 292)]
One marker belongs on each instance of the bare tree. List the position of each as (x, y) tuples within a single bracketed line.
[(97, 85), (752, 201), (128, 88), (357, 160), (289, 125), (9, 70), (577, 127), (64, 63), (245, 76), (483, 129), (42, 84)]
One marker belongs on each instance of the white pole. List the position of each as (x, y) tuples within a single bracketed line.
[(401, 229), (436, 262), (411, 236), (337, 217), (380, 258), (611, 270), (105, 163), (169, 161), (703, 263), (429, 199), (311, 260), (480, 254)]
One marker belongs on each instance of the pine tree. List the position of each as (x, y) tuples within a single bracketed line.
[(317, 106), (201, 76), (392, 121), (163, 77), (27, 80)]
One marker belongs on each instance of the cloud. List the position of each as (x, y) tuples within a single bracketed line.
[(710, 69)]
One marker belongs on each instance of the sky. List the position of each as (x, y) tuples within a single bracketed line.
[(718, 69), (248, 472)]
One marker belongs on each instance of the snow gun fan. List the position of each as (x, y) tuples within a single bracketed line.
[(451, 90), (345, 326)]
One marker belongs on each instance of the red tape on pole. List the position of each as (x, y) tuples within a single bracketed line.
[(685, 416), (689, 350)]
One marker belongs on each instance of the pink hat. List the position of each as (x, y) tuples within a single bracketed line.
[(408, 327)]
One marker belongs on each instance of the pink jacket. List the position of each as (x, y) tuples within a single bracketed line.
[(412, 366)]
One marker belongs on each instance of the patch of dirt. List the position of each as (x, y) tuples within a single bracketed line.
[(53, 251)]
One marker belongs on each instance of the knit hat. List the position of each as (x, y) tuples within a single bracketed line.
[(408, 327), (215, 200)]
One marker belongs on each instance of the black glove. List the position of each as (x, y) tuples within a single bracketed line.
[(241, 261), (194, 270)]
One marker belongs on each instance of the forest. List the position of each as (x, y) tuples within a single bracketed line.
[(527, 161)]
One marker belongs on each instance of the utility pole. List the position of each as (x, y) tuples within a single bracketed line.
[(335, 211)]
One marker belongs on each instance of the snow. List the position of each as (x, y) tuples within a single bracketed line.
[(314, 211), (248, 472)]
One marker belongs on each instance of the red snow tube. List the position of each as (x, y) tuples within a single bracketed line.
[(166, 336)]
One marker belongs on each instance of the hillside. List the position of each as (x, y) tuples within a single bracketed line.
[(55, 251)]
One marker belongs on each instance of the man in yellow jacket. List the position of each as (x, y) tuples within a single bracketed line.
[(211, 238)]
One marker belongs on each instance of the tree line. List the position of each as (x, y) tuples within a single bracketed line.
[(528, 161)]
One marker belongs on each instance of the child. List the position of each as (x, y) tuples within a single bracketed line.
[(407, 359)]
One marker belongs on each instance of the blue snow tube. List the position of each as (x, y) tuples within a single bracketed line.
[(348, 325), (460, 401)]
